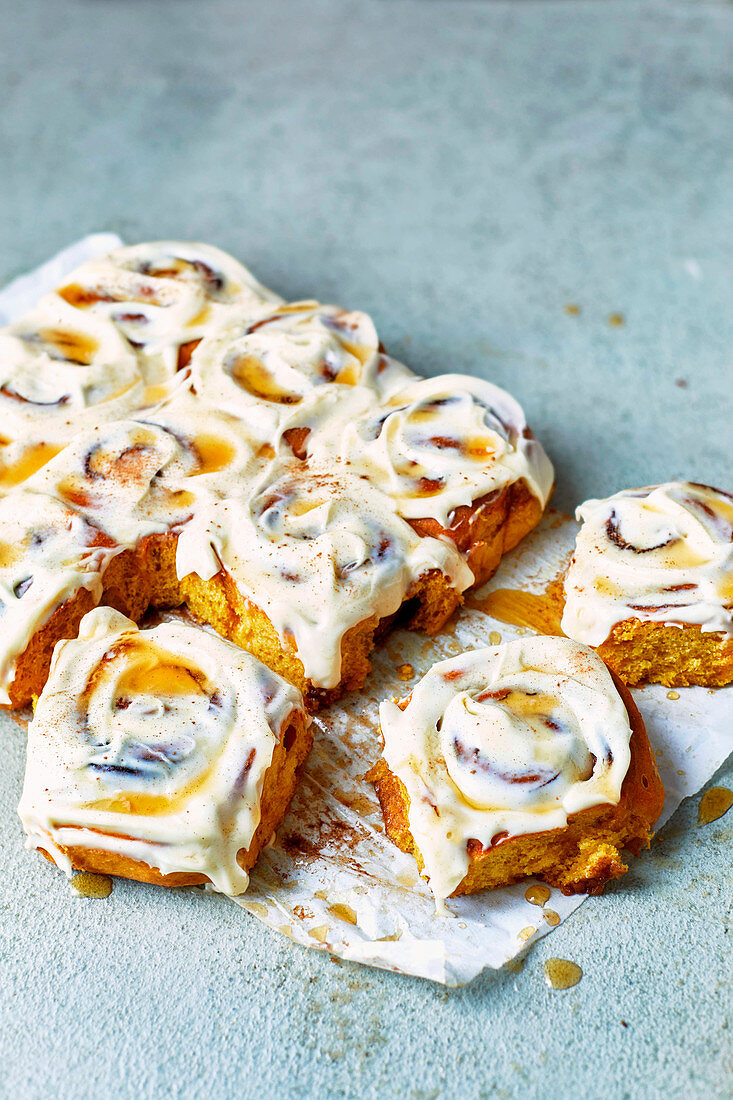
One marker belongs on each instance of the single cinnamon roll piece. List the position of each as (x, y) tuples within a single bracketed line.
[(307, 566), (522, 759), (163, 296), (166, 755), (456, 456), (650, 584), (265, 370)]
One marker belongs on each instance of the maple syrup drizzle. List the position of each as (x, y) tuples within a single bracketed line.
[(713, 804)]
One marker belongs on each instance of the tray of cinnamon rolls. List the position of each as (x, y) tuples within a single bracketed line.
[(249, 576)]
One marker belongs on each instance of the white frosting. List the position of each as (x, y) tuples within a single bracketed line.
[(47, 552), (164, 294), (319, 551), (507, 740), (153, 745), (261, 369), (659, 554), (62, 370), (125, 477), (440, 443)]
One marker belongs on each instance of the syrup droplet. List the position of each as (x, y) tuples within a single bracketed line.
[(88, 885), (537, 895), (525, 934), (495, 638), (343, 912), (713, 804), (615, 320), (562, 974), (572, 309), (257, 909), (405, 672), (320, 933), (552, 918), (673, 695)]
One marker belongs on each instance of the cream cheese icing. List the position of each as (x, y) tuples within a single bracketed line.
[(663, 553), (48, 551), (440, 443), (62, 370), (153, 745), (319, 551), (261, 369), (505, 740), (164, 295)]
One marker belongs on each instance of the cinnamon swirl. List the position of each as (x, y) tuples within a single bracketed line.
[(166, 755), (650, 585), (163, 296), (521, 759), (303, 570)]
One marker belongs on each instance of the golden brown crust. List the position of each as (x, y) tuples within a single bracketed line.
[(579, 858), (125, 587), (676, 656), (281, 780), (489, 528)]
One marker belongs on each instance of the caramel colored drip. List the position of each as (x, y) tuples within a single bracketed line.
[(405, 672), (616, 320), (80, 297), (252, 376), (88, 885), (713, 804), (673, 695), (72, 346), (540, 612), (526, 933), (214, 453), (537, 895), (33, 459), (161, 679), (257, 908), (572, 309), (495, 638), (552, 918), (343, 912), (562, 974)]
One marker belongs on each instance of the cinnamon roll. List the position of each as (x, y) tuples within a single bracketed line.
[(302, 570), (62, 372), (55, 564), (165, 755), (456, 456), (261, 369), (521, 759), (650, 585), (163, 296)]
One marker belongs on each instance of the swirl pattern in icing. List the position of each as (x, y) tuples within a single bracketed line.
[(262, 369), (154, 745), (658, 554), (505, 741), (319, 551), (164, 295), (441, 443)]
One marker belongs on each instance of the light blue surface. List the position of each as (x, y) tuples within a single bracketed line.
[(463, 171)]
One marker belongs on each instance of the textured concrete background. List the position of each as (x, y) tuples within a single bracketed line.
[(464, 171)]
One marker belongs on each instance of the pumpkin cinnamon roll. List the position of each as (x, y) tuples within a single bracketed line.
[(262, 369), (304, 569), (55, 565), (165, 755), (456, 456), (650, 584), (521, 759), (163, 296)]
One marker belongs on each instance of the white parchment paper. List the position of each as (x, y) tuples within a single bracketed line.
[(332, 880)]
